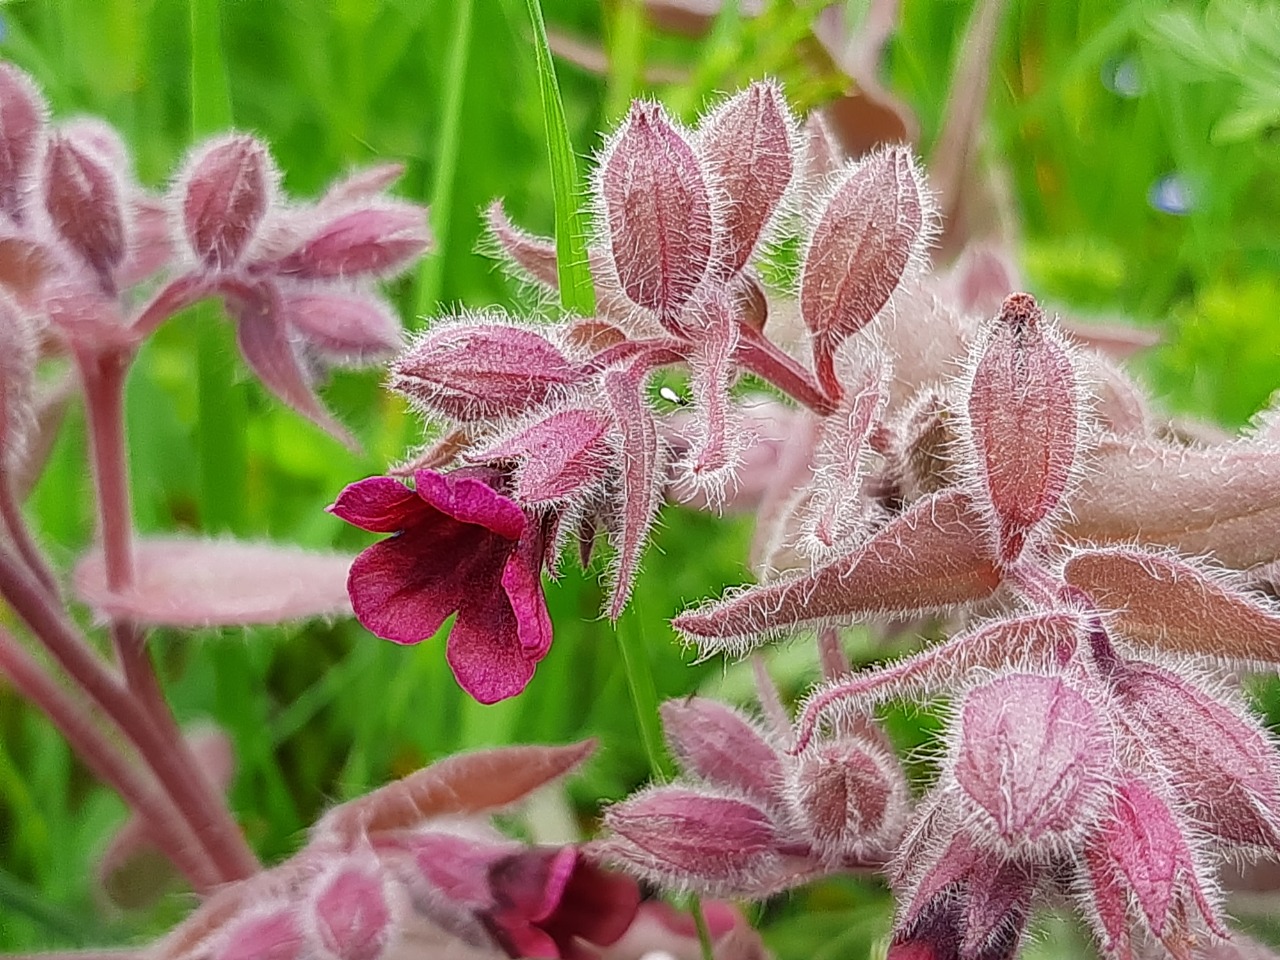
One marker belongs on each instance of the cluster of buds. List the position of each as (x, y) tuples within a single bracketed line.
[(1034, 494), (751, 819), (92, 263)]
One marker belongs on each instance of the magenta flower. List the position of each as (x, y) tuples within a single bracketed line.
[(459, 546)]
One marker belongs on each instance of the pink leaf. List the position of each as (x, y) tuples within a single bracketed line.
[(22, 120), (747, 146), (464, 784), (379, 239), (362, 184), (717, 744), (83, 197), (929, 558), (657, 212), (1166, 603), (874, 225), (215, 583), (272, 933), (351, 911), (1175, 496), (641, 456), (225, 193), (1023, 420)]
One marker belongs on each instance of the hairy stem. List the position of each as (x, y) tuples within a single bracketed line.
[(763, 358), (23, 541), (108, 763)]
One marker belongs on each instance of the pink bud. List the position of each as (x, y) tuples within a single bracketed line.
[(83, 198), (270, 933), (351, 911), (226, 192), (687, 838), (1033, 756), (482, 367), (346, 326), (657, 212), (874, 225), (1222, 765), (22, 121), (1141, 851), (379, 239), (717, 744), (1024, 420), (561, 456), (852, 800), (748, 149)]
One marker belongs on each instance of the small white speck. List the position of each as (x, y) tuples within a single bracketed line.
[(666, 393)]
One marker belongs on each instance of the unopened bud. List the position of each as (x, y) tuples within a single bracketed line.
[(83, 197), (872, 228), (22, 120), (850, 798), (351, 912), (716, 743), (478, 369), (226, 193), (657, 212), (1032, 755), (378, 240), (561, 456), (272, 933), (747, 144), (1023, 414)]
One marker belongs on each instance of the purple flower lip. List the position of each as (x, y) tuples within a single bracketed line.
[(459, 546)]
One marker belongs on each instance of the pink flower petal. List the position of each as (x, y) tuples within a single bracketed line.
[(379, 505), (468, 499), (522, 581), (484, 648), (212, 583)]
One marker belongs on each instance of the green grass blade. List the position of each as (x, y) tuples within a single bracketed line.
[(448, 148), (576, 291)]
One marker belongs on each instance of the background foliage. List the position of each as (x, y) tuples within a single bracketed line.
[(1140, 140)]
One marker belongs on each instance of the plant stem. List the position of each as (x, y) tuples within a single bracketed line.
[(107, 763), (11, 518), (700, 924), (763, 358), (174, 768), (644, 695)]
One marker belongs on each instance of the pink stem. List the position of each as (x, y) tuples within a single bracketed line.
[(763, 357), (107, 762), (11, 516), (176, 295), (172, 763), (104, 380)]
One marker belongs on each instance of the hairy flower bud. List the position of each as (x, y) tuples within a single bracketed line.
[(560, 456), (873, 226), (226, 193), (1023, 420), (1032, 755), (717, 744), (83, 198), (688, 838), (851, 798), (378, 240), (657, 212), (747, 145), (481, 368), (22, 120), (270, 933), (350, 912)]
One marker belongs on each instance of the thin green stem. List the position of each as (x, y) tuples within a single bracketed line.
[(700, 923), (644, 695), (431, 273)]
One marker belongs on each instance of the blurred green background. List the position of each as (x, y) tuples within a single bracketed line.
[(1141, 140)]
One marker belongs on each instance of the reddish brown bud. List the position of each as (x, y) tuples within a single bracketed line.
[(657, 212), (226, 193), (872, 228), (1023, 420), (83, 198), (748, 149), (851, 798), (22, 120), (481, 368)]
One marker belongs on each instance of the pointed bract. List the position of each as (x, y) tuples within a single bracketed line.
[(351, 327), (22, 122), (83, 198), (351, 913), (271, 933), (561, 456), (717, 744), (376, 240)]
